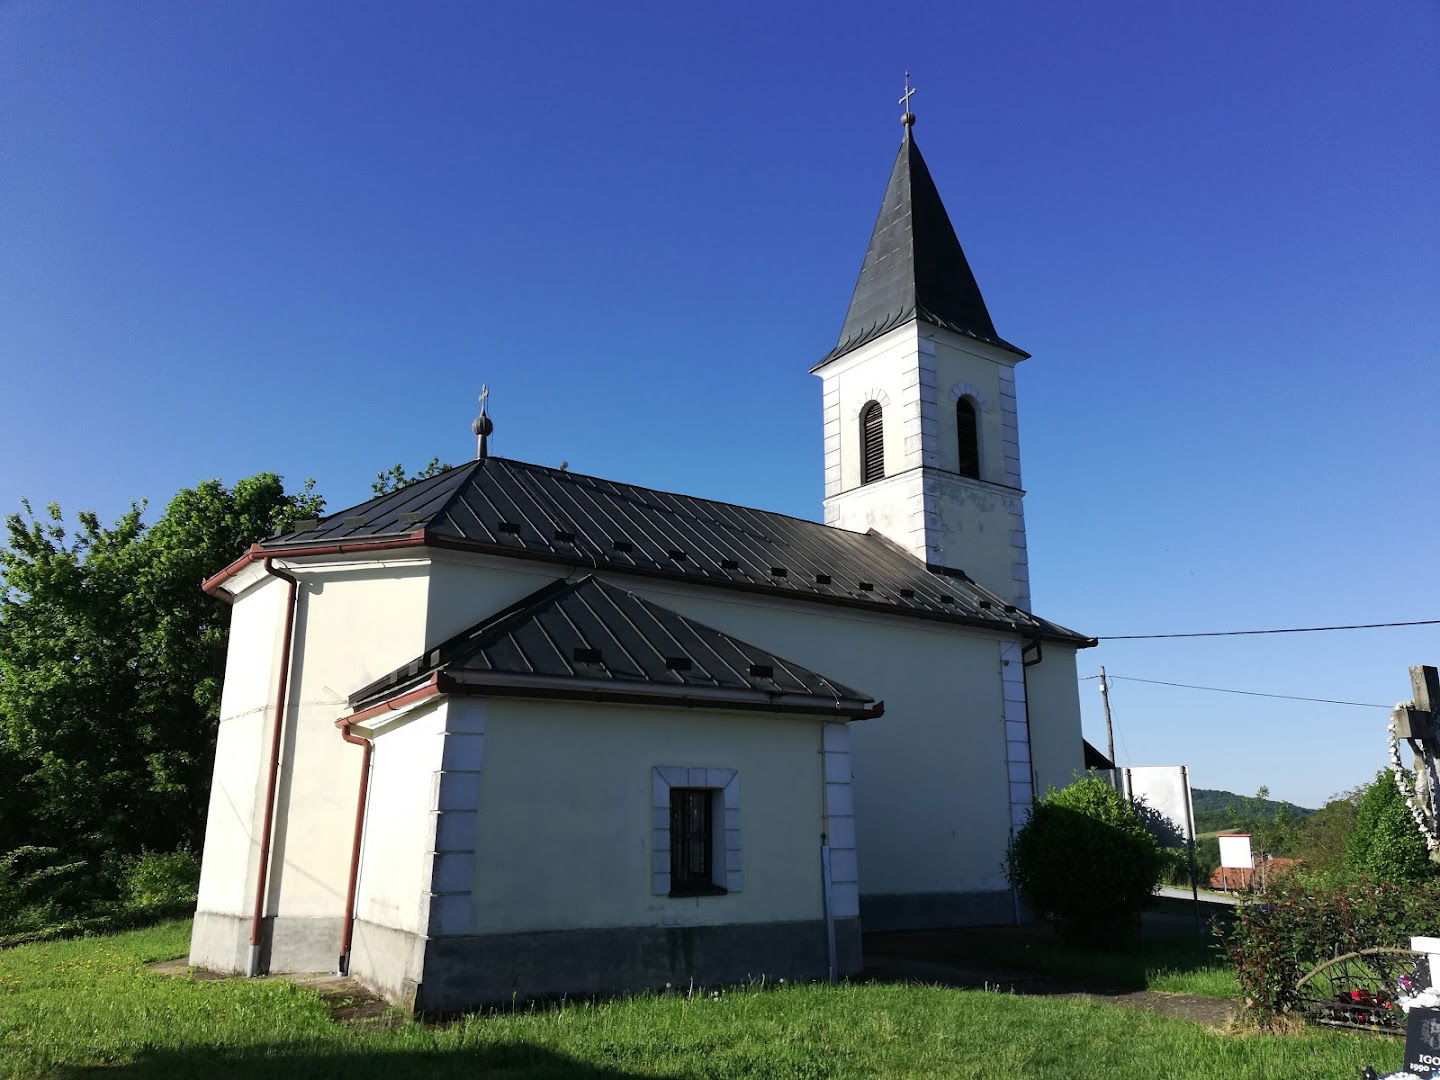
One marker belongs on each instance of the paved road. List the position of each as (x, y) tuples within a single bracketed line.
[(1205, 897)]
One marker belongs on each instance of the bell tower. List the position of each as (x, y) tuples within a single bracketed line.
[(921, 433)]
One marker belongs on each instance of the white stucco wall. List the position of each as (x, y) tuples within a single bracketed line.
[(1055, 740), (232, 826), (918, 373), (354, 623), (931, 789), (564, 826), (395, 867)]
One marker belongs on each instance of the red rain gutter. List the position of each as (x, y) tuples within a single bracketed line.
[(262, 874), (430, 689), (212, 585)]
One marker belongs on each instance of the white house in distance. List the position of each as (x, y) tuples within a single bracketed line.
[(515, 731)]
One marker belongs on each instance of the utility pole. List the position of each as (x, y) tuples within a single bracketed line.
[(1109, 726)]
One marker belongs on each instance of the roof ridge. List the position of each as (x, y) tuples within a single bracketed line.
[(444, 508)]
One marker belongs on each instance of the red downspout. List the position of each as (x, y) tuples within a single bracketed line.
[(262, 875), (429, 689), (347, 931)]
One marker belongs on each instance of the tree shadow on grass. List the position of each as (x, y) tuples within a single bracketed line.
[(1032, 959), (307, 1062)]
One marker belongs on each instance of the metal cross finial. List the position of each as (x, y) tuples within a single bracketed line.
[(909, 117), (483, 426)]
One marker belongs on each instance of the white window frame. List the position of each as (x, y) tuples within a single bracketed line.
[(726, 785)]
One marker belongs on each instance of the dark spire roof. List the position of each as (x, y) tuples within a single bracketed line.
[(914, 267)]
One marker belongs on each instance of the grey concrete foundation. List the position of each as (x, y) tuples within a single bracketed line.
[(221, 942), (936, 911), (387, 960), (465, 972)]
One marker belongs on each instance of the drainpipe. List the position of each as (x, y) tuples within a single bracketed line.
[(347, 931), (427, 690), (827, 878), (262, 875)]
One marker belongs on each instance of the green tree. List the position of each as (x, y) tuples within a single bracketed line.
[(110, 665), (395, 477), (1386, 844), (1324, 837)]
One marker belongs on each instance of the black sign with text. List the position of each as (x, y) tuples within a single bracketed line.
[(1422, 1042)]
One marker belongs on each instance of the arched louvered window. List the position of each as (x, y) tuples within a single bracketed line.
[(968, 428), (872, 444)]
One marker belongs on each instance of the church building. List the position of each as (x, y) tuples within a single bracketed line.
[(512, 731)]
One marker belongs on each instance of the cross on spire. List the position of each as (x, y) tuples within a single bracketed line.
[(909, 117)]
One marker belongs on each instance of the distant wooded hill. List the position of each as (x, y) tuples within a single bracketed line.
[(1216, 811)]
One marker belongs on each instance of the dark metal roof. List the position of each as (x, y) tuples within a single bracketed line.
[(1095, 758), (588, 638), (914, 267), (519, 510)]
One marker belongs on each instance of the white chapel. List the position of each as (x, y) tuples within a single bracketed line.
[(512, 731)]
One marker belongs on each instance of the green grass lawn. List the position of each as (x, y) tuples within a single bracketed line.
[(1173, 962), (70, 1008)]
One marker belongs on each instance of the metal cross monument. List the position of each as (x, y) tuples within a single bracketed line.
[(1418, 723)]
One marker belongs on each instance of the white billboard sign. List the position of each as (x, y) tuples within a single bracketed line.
[(1165, 792), (1235, 851)]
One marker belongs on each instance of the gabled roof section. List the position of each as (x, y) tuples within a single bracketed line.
[(589, 639), (510, 508), (914, 267)]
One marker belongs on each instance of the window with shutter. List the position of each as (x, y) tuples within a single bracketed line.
[(872, 444), (968, 426)]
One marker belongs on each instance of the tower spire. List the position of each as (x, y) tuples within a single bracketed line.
[(914, 267)]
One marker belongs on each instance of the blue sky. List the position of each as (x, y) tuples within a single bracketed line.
[(246, 236)]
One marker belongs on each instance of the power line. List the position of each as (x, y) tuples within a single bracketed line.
[(1247, 693), (1287, 630)]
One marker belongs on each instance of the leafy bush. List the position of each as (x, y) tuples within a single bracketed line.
[(1294, 926), (1386, 844), (160, 879), (38, 886), (1085, 860)]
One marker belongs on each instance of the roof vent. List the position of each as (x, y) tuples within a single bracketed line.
[(984, 603), (564, 536), (1010, 609), (867, 586), (822, 579), (584, 655), (946, 598), (678, 663), (762, 671), (354, 521), (729, 564), (509, 527), (306, 525), (623, 545), (779, 571), (414, 517), (908, 594), (677, 554)]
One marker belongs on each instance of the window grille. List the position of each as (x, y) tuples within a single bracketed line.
[(692, 841), (872, 444), (968, 426)]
